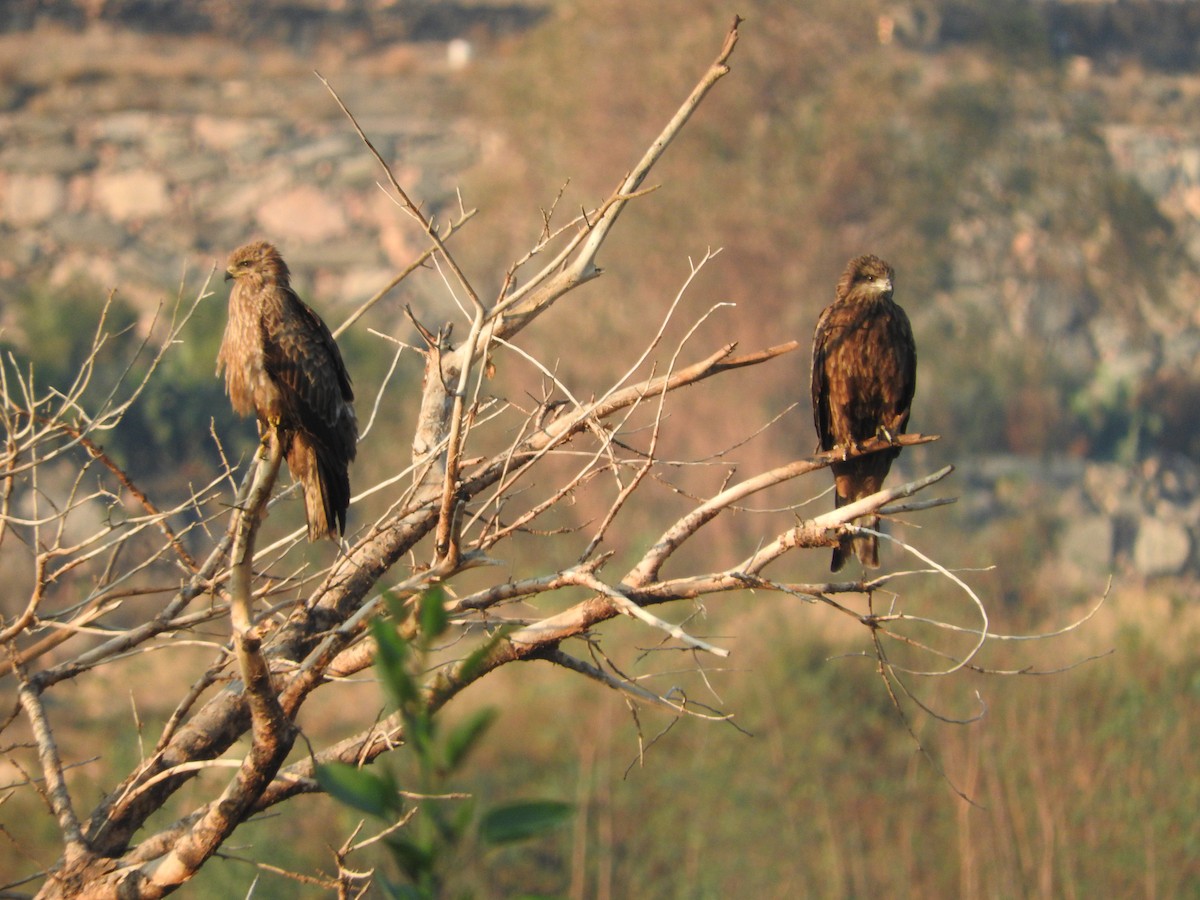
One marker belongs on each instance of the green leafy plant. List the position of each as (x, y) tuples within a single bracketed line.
[(435, 824)]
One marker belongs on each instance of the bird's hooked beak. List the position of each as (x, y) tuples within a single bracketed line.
[(228, 275)]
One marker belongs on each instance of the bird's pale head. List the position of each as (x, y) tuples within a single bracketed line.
[(866, 277), (259, 261)]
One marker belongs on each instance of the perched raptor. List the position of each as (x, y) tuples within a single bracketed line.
[(864, 373), (282, 364)]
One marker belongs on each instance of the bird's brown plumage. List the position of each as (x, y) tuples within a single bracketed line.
[(282, 364), (864, 373)]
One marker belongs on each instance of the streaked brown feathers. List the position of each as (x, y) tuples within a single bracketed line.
[(282, 364), (864, 374)]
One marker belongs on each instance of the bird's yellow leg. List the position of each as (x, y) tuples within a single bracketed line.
[(267, 430)]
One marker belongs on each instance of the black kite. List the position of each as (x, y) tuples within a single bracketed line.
[(282, 364), (864, 373)]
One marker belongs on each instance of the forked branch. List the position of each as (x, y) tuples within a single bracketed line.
[(507, 503)]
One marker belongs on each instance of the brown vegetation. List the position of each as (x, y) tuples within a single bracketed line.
[(1082, 782), (460, 507)]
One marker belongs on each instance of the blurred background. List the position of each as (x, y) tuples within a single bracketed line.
[(1031, 170)]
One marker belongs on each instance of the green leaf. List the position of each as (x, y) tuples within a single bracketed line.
[(463, 815), (393, 649), (419, 732), (391, 657), (360, 789), (399, 891), (413, 860), (446, 826), (462, 739), (522, 820), (474, 661), (434, 618), (396, 606)]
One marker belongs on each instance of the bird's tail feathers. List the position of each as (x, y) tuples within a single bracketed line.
[(864, 546), (326, 485), (850, 486)]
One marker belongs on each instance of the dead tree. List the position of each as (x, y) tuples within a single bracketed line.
[(450, 510)]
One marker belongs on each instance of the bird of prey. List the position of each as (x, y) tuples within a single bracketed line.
[(864, 373), (282, 364)]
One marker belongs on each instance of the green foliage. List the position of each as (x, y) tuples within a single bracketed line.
[(943, 154), (59, 327), (523, 820), (1012, 29), (1077, 780), (164, 434), (186, 400), (372, 792), (423, 852), (1166, 412), (1112, 417)]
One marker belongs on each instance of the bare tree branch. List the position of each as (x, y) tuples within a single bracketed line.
[(297, 627)]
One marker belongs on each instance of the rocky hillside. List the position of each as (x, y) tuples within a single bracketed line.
[(130, 157), (1031, 168)]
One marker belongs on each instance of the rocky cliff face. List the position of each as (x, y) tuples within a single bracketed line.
[(1140, 521), (144, 140), (297, 23), (127, 157)]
